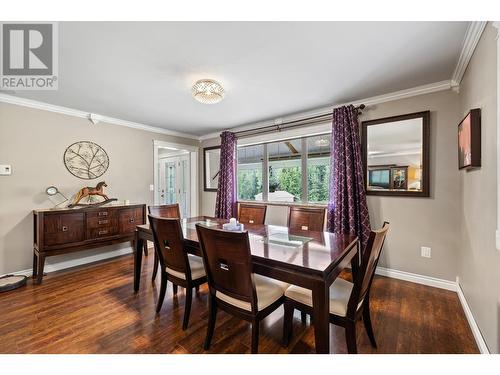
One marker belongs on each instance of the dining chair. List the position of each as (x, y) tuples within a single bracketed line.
[(348, 301), (307, 218), (252, 213), (165, 210), (233, 287), (176, 265)]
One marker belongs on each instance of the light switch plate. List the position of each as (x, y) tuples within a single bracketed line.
[(5, 170), (425, 252)]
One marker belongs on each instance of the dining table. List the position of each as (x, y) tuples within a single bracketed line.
[(309, 259)]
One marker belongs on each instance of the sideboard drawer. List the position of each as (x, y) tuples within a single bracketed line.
[(64, 228), (102, 232), (129, 218), (101, 218)]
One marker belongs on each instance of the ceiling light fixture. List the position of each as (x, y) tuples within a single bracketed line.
[(208, 91)]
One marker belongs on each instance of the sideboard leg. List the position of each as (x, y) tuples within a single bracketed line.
[(41, 264), (35, 264)]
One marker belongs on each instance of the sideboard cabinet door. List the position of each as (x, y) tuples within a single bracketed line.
[(64, 228), (129, 218)]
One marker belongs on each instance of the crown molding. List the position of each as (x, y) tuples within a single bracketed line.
[(396, 95), (5, 98), (496, 25), (471, 39)]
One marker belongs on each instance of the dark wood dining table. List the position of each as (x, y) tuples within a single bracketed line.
[(305, 258)]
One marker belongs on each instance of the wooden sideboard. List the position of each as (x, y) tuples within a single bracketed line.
[(61, 231)]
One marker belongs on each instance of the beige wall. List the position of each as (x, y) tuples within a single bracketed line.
[(33, 141), (206, 198), (479, 261), (433, 221), (415, 222)]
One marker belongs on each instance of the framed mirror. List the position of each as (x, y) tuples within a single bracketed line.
[(396, 155), (211, 161)]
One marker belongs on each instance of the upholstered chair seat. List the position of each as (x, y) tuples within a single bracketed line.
[(340, 292), (268, 291), (196, 265)]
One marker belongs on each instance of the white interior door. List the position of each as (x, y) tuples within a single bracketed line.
[(174, 183)]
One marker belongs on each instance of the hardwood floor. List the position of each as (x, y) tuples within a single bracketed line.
[(92, 309)]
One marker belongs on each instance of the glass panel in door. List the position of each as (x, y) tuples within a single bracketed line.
[(175, 184), (170, 175)]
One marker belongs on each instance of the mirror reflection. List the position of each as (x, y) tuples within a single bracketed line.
[(395, 156)]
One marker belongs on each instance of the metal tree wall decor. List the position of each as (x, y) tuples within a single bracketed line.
[(86, 160)]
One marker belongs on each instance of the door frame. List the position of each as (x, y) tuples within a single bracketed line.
[(193, 160)]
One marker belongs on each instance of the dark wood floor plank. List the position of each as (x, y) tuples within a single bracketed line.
[(92, 309)]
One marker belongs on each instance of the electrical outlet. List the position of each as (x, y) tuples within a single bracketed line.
[(151, 188), (425, 252)]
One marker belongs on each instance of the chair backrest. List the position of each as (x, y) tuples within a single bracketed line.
[(252, 213), (307, 218), (169, 244), (367, 270), (228, 263), (165, 210)]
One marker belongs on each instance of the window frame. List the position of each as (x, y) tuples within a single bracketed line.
[(265, 172)]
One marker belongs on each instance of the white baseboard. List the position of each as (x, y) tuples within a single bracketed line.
[(51, 267), (419, 279), (481, 344)]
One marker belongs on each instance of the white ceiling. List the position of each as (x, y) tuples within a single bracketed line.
[(143, 71)]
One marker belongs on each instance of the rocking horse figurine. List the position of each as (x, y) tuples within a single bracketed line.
[(90, 191)]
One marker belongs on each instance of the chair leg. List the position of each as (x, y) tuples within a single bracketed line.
[(212, 315), (175, 289), (303, 317), (368, 323), (145, 248), (187, 307), (350, 335), (155, 267), (163, 289), (287, 323), (255, 336)]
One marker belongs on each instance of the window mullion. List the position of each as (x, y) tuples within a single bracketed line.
[(304, 169), (265, 174)]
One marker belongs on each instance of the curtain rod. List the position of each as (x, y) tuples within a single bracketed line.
[(290, 124)]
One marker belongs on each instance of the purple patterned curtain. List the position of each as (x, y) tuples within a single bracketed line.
[(347, 209), (226, 192)]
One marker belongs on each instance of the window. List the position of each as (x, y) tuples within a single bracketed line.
[(293, 170), (285, 175), (250, 172), (318, 168)]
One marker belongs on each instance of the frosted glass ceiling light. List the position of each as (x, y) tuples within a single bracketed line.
[(208, 91)]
